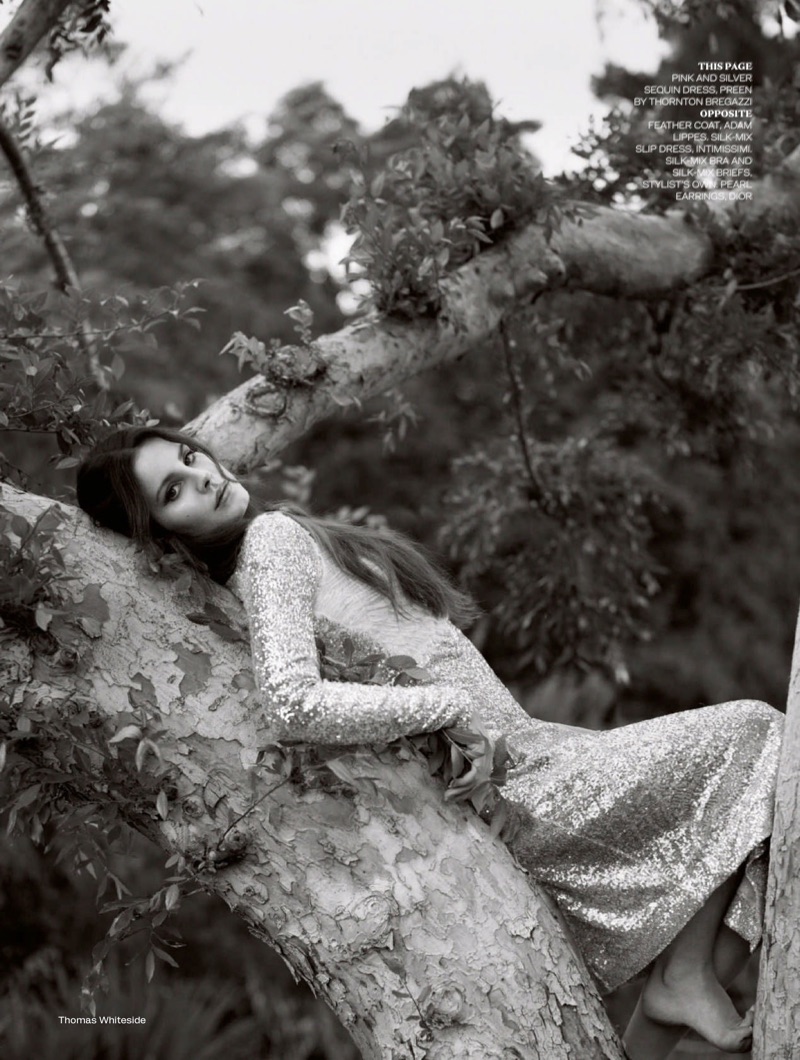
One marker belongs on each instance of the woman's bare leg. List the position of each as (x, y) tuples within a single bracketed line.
[(684, 987), (731, 954), (646, 1038)]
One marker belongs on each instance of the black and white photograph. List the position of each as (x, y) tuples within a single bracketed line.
[(399, 520)]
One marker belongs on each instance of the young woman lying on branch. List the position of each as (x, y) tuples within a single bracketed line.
[(649, 837)]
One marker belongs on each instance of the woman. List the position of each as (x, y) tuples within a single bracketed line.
[(650, 837)]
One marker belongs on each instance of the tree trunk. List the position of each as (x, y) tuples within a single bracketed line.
[(419, 929), (777, 1028)]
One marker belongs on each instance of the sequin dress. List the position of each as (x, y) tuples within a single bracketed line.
[(629, 830)]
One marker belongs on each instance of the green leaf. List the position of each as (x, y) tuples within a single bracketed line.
[(162, 805)]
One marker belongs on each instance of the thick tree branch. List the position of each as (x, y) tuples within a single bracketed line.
[(32, 20), (418, 928), (602, 250)]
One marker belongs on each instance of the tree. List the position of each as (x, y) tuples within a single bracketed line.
[(195, 782), (123, 168)]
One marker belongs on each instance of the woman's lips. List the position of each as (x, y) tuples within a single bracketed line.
[(221, 494)]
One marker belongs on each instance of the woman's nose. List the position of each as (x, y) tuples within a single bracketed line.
[(202, 480)]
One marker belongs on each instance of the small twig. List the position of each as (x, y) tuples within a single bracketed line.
[(767, 283), (516, 396), (251, 808), (90, 332), (66, 275), (11, 429)]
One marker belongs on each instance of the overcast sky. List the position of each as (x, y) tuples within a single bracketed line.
[(536, 56)]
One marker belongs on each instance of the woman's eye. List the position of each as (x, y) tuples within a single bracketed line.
[(173, 491)]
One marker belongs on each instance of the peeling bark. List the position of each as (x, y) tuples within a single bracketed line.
[(610, 252), (416, 926), (777, 1026)]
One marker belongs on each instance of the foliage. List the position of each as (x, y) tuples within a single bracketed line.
[(57, 753), (143, 207), (188, 1020), (50, 925), (563, 558), (83, 25), (435, 204), (673, 14), (299, 365), (615, 171), (47, 388), (33, 573)]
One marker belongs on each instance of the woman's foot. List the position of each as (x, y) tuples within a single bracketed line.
[(694, 997)]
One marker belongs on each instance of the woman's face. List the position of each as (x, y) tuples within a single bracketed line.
[(184, 490)]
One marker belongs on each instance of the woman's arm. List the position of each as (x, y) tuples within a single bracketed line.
[(279, 574)]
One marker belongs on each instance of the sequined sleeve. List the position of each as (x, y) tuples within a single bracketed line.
[(279, 570)]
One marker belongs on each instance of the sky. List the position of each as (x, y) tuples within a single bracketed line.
[(241, 56)]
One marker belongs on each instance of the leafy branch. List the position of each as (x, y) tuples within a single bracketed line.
[(464, 183)]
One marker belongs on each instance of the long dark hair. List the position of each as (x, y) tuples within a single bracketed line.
[(384, 559)]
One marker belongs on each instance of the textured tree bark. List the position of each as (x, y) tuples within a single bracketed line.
[(606, 251), (32, 20), (419, 929), (777, 1027)]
